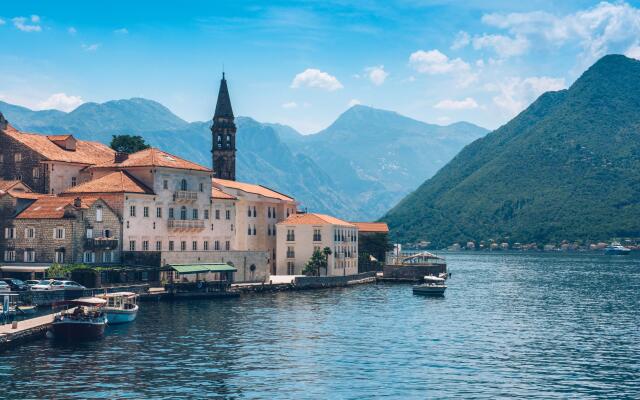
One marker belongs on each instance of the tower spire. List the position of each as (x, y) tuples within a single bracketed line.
[(223, 133)]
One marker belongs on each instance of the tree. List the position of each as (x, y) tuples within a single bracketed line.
[(318, 261), (128, 143)]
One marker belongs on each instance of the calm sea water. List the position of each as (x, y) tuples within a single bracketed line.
[(511, 325)]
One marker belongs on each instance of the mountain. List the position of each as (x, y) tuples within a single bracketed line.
[(566, 168), (377, 157), (358, 168)]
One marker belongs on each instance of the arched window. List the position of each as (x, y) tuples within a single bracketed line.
[(183, 184), (183, 213)]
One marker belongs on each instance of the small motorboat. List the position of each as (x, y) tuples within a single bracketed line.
[(84, 320), (121, 307), (616, 249), (26, 309), (432, 286)]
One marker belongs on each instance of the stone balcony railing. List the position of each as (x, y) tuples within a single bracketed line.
[(185, 196), (185, 224), (101, 243)]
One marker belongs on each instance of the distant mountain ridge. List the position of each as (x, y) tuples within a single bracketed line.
[(324, 171), (566, 168)]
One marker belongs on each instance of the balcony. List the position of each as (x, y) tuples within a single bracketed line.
[(185, 196), (185, 225), (101, 243)]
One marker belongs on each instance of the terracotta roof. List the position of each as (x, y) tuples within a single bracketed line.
[(251, 188), (115, 182), (373, 227), (153, 157), (52, 207), (6, 185), (85, 153), (314, 219), (26, 195), (219, 194), (59, 137)]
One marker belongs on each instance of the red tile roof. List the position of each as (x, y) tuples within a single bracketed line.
[(251, 188), (115, 182), (85, 153), (52, 207), (6, 185), (372, 227), (153, 157), (315, 219), (219, 194)]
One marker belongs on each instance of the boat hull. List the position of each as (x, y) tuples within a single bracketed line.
[(71, 330), (616, 252), (118, 316), (429, 290)]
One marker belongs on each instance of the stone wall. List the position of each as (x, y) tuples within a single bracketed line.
[(317, 282), (412, 272), (24, 169)]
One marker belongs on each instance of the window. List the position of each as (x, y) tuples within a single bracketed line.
[(291, 235), (317, 235), (36, 172), (205, 245), (269, 230), (227, 214), (249, 211), (206, 214), (132, 211), (183, 213), (254, 230), (107, 233), (202, 187), (145, 212), (17, 157), (183, 184), (158, 245), (227, 245), (74, 181), (165, 184), (171, 246), (274, 213), (249, 230), (194, 245), (89, 233), (107, 257), (159, 212), (132, 245), (194, 213), (10, 233), (268, 212), (29, 256), (59, 256), (30, 233), (183, 246), (254, 212), (145, 245), (89, 257), (291, 253), (1, 157), (216, 245), (99, 214), (58, 233), (10, 255), (217, 214), (170, 213), (231, 227), (291, 268)]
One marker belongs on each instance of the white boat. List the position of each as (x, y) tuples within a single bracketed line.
[(121, 307), (432, 286), (616, 248)]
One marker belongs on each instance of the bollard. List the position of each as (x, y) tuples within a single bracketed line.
[(14, 325)]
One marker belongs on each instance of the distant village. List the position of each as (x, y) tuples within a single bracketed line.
[(498, 245), (153, 216)]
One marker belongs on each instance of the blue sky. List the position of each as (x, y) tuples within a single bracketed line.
[(302, 63)]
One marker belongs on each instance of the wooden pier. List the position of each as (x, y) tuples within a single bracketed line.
[(26, 329)]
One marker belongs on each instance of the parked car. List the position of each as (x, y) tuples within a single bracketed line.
[(15, 284), (67, 285), (31, 282), (44, 284), (4, 287)]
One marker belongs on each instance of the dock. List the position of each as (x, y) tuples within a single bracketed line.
[(26, 330)]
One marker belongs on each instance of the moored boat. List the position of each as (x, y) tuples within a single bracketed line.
[(121, 307), (26, 309), (616, 249), (432, 286), (84, 321)]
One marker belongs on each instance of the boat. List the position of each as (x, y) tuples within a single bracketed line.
[(26, 309), (85, 320), (432, 286), (121, 307), (616, 249)]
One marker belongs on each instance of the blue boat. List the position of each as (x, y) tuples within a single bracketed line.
[(121, 307)]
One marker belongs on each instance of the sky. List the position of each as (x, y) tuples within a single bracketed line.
[(303, 63)]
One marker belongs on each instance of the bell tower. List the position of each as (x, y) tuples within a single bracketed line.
[(223, 132)]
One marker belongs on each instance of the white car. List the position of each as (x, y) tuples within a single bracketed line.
[(4, 287), (44, 285), (67, 285)]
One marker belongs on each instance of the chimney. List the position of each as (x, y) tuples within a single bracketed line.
[(121, 156), (3, 122), (77, 202)]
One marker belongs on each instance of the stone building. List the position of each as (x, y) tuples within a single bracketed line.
[(223, 133), (47, 163), (300, 235)]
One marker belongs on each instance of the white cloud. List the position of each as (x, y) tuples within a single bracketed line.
[(121, 31), (434, 62), (448, 104), (377, 75), (91, 47), (633, 51), (72, 30), (504, 46), (27, 24), (462, 40), (514, 94), (60, 101), (314, 78), (290, 104), (353, 102)]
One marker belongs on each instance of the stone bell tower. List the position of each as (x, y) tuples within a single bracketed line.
[(223, 132)]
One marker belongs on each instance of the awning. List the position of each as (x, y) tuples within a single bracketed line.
[(202, 268), (24, 268)]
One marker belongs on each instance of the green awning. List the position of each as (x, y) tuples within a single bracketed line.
[(202, 268)]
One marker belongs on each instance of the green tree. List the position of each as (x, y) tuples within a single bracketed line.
[(128, 143), (318, 261)]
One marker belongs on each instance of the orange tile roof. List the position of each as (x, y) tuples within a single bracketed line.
[(372, 227), (52, 207), (219, 194), (153, 157), (6, 185), (315, 219), (251, 188), (85, 153), (27, 195), (115, 182)]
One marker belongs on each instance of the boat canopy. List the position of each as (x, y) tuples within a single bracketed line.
[(116, 294), (429, 278), (87, 301), (202, 268)]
